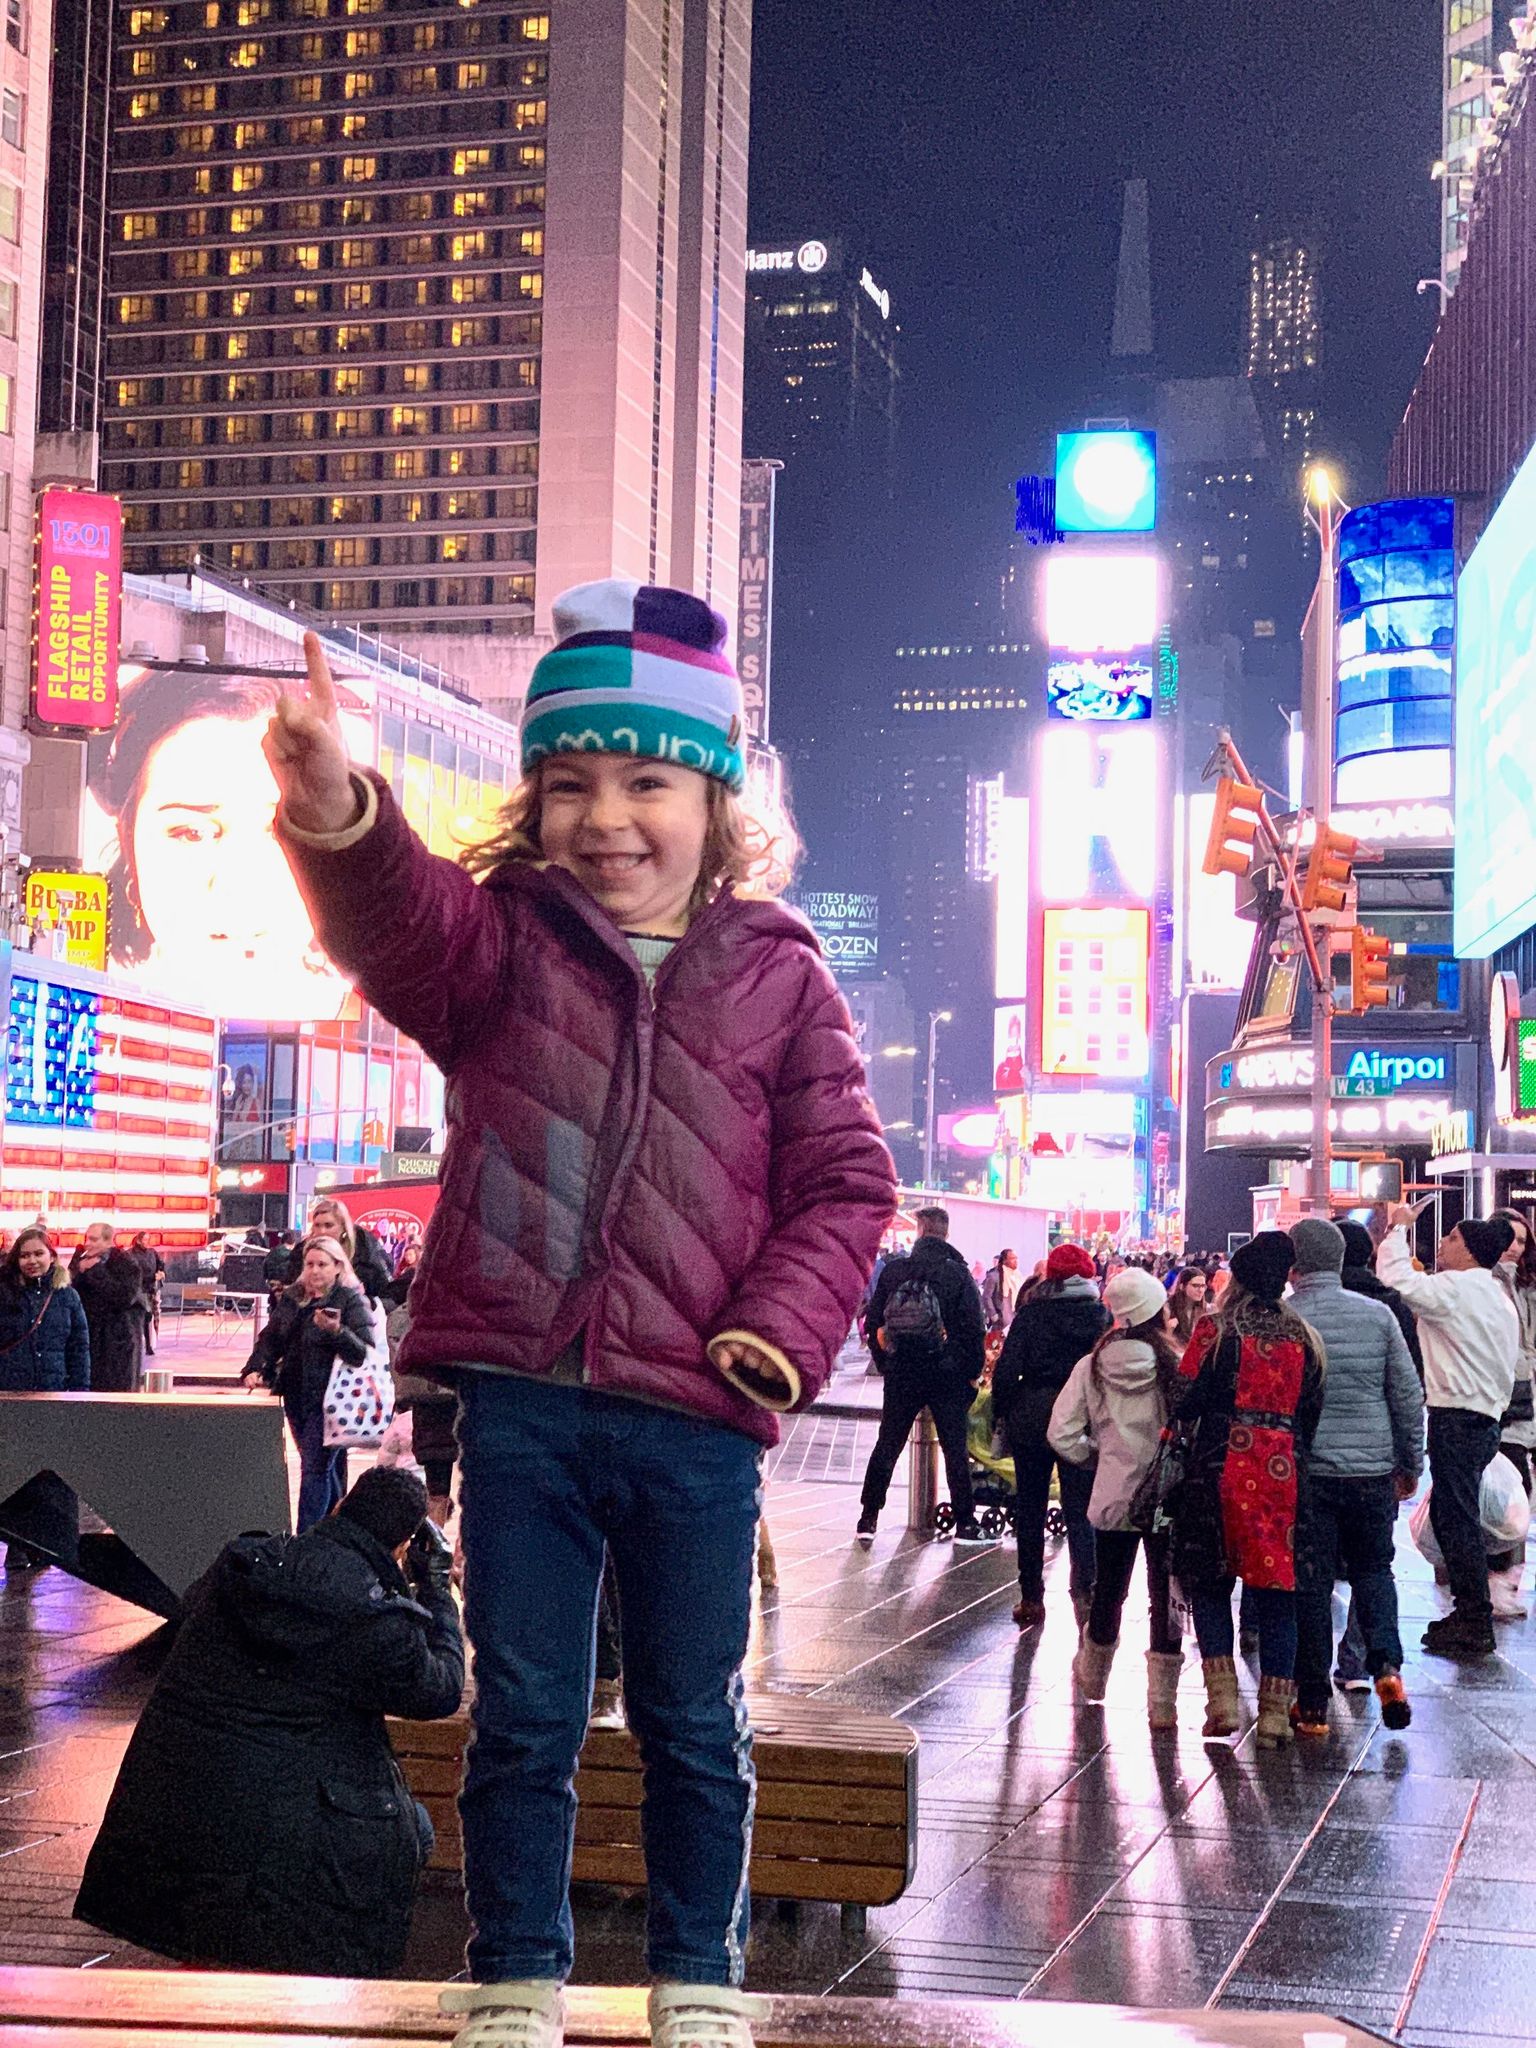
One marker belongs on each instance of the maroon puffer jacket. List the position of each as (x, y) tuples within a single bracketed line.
[(653, 1172)]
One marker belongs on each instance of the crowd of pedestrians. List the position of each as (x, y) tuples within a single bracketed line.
[(1254, 1427)]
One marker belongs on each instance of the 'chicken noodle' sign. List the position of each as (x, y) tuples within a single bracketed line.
[(79, 606)]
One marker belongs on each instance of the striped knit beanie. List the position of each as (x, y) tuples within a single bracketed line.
[(637, 670)]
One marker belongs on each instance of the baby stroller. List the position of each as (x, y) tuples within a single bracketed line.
[(993, 1487)]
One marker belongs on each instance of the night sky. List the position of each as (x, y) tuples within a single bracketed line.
[(974, 155)]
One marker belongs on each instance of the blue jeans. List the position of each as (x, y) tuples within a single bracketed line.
[(1462, 1444), (1033, 1463), (1275, 1612), (322, 1470), (1346, 1532), (551, 1474)]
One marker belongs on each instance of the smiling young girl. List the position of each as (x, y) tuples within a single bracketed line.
[(663, 1191)]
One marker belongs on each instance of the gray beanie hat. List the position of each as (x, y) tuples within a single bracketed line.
[(1319, 1245)]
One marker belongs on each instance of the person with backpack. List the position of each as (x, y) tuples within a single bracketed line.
[(1061, 1322), (924, 1327)]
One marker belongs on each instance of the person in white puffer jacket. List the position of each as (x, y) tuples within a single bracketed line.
[(1114, 1407)]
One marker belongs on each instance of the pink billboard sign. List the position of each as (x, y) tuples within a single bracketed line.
[(79, 608)]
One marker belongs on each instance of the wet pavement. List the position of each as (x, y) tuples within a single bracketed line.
[(1064, 1852)]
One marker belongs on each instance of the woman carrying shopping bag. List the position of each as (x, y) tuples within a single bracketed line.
[(320, 1321)]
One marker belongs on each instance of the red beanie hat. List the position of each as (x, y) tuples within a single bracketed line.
[(1070, 1262)]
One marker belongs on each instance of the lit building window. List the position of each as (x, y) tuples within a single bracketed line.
[(144, 63), (142, 104), (194, 140), (357, 170), (140, 227), (410, 419), (530, 284), (134, 311), (469, 163), (147, 21), (357, 85), (244, 220), (247, 177), (530, 113), (246, 56), (534, 28), (199, 99), (365, 42), (417, 78)]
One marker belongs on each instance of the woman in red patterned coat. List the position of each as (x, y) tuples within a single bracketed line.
[(1251, 1414)]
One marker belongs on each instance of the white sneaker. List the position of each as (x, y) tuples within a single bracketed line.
[(529, 2014), (703, 2016), (607, 1704)]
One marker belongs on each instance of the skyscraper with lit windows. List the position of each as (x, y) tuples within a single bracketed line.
[(1283, 341), (1473, 32), (386, 275)]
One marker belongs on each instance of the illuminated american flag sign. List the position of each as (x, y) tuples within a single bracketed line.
[(108, 1109)]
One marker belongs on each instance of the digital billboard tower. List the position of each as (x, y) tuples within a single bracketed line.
[(1099, 869)]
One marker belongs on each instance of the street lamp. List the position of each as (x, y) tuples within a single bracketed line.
[(935, 1019), (1320, 637), (898, 1052)]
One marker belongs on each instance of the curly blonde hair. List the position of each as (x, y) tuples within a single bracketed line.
[(741, 852)]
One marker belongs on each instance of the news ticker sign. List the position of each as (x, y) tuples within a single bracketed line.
[(79, 609), (1359, 1070)]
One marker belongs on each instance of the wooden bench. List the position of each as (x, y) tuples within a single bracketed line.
[(836, 1801), (48, 2008)]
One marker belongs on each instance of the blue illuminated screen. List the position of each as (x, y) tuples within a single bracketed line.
[(1397, 637), (1099, 689), (1106, 481), (1496, 728), (50, 1055)]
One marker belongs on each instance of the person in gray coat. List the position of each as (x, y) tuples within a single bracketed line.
[(1367, 1458)]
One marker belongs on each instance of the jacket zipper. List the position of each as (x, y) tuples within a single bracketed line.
[(644, 1020)]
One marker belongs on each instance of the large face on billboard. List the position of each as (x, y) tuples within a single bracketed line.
[(1093, 1017), (1496, 728), (179, 813)]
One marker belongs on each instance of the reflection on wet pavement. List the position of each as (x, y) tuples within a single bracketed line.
[(1064, 1852)]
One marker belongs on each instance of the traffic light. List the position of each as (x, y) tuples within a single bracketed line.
[(1229, 850), (1368, 953), (1328, 871), (290, 1139)]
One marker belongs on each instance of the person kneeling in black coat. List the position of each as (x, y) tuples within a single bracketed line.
[(260, 1821)]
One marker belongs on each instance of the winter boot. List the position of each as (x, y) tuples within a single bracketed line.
[(1275, 1698), (1163, 1671), (1221, 1702), (1090, 1667)]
